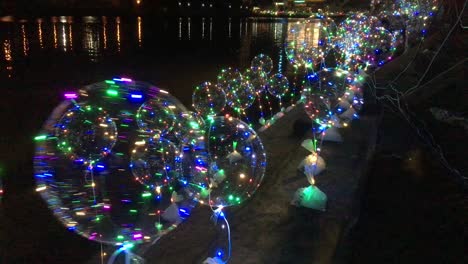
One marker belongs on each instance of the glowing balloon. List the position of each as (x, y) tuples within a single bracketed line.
[(262, 62), (310, 41), (331, 83), (208, 99), (241, 96), (278, 85), (351, 41), (258, 79), (237, 162), (131, 194), (155, 117), (317, 108), (189, 125), (86, 132), (229, 79)]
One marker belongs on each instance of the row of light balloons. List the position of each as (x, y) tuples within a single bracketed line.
[(333, 59), (123, 162)]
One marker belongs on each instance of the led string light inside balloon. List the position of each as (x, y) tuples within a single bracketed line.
[(86, 123)]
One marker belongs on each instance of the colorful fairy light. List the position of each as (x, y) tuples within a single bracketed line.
[(237, 163), (208, 99), (84, 174), (262, 63), (70, 95)]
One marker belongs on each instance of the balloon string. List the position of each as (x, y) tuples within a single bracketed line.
[(218, 212), (114, 255), (246, 117), (260, 106), (102, 254), (269, 104), (93, 186)]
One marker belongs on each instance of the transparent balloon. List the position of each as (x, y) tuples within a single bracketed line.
[(258, 79), (237, 162), (262, 62), (156, 117), (208, 99), (86, 132), (331, 83), (111, 199), (241, 96), (310, 41), (278, 85), (229, 79), (351, 39), (317, 108), (188, 126)]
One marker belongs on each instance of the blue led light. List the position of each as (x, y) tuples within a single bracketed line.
[(136, 97), (184, 212), (100, 167)]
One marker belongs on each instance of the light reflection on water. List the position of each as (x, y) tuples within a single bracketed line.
[(79, 43)]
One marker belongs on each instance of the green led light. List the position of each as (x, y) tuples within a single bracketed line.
[(230, 197), (146, 195), (133, 211), (204, 193), (112, 92), (109, 82), (159, 226), (194, 125), (40, 138), (120, 237)]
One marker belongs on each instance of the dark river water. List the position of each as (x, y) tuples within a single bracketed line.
[(57, 53)]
